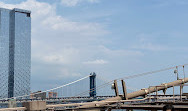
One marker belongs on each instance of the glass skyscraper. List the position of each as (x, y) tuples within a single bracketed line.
[(15, 52)]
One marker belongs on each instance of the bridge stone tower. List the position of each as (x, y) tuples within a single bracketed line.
[(92, 92)]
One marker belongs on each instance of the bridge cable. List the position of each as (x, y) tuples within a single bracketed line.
[(50, 89), (133, 76)]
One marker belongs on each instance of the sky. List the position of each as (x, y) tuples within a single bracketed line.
[(114, 38)]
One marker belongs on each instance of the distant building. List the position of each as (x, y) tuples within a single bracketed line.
[(15, 52), (52, 94), (38, 95)]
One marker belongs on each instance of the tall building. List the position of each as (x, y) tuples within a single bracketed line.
[(15, 52)]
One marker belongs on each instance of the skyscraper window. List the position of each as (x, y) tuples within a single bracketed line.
[(15, 52)]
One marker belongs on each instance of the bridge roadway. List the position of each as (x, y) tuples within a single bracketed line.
[(73, 99), (128, 104), (62, 99)]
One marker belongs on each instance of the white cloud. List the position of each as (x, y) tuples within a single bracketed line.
[(45, 15), (120, 52), (59, 23), (165, 3), (149, 42), (71, 3), (67, 73), (55, 38), (98, 61), (54, 58), (151, 47), (64, 56), (60, 45)]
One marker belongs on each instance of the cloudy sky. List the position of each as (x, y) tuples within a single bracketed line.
[(114, 38)]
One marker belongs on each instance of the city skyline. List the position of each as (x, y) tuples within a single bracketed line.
[(114, 39)]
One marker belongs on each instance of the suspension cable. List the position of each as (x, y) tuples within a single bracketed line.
[(50, 89), (151, 72), (105, 84), (134, 76)]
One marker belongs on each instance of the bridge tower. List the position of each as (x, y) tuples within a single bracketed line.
[(92, 78)]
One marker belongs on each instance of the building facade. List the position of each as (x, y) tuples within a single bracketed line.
[(15, 52), (52, 94), (38, 95)]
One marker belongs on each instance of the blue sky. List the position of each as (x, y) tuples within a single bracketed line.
[(114, 38)]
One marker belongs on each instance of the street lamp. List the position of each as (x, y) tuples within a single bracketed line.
[(176, 72)]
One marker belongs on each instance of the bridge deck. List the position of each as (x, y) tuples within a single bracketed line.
[(146, 107)]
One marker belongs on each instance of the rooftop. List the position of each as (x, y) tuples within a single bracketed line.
[(16, 10)]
